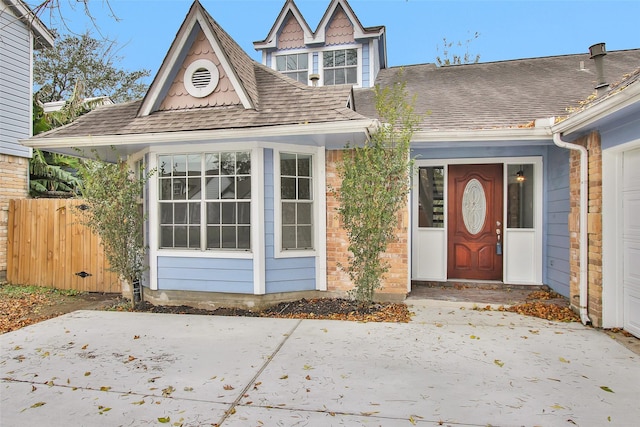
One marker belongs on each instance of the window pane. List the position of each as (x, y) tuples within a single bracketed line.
[(228, 190), (194, 213), (194, 237), (327, 59), (229, 237), (292, 62), (244, 213), (340, 77), (213, 213), (288, 237), (302, 77), (352, 75), (179, 188), (166, 237), (195, 190), (179, 165), (243, 163), (164, 166), (288, 188), (288, 213), (165, 189), (281, 62), (304, 189), (329, 77), (520, 196), (228, 164), (194, 164), (244, 237), (166, 213), (431, 197), (339, 58), (304, 165), (180, 213), (352, 57), (303, 61), (213, 188), (180, 236), (212, 164), (213, 237), (228, 213), (287, 164), (244, 187), (304, 213), (304, 237)]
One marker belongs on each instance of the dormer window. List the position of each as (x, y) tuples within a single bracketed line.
[(340, 66), (295, 66)]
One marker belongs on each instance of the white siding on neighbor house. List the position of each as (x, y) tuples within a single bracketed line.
[(282, 274), (15, 84), (557, 220)]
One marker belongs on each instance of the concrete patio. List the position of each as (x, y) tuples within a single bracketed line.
[(450, 366)]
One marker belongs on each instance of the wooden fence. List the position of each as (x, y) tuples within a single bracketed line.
[(48, 246)]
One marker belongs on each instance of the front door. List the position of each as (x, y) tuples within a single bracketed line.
[(475, 222)]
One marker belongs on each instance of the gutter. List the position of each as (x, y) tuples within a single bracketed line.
[(584, 237)]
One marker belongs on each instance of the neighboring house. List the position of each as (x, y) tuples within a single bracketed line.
[(22, 32), (242, 209)]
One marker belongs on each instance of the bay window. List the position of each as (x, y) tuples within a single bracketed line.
[(205, 200)]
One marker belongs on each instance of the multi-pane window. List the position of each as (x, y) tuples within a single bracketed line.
[(296, 195), (205, 200), (295, 66), (431, 197), (340, 67)]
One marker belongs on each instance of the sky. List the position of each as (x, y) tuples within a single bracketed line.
[(415, 29)]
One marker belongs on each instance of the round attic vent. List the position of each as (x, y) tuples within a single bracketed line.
[(201, 78)]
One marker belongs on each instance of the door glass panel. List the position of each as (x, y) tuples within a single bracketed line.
[(431, 197), (520, 196), (474, 206)]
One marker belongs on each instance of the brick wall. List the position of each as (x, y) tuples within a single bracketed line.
[(594, 227), (13, 185), (396, 279)]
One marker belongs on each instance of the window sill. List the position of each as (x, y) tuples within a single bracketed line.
[(191, 253), (293, 253)]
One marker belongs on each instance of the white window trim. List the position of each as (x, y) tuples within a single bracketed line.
[(320, 69), (318, 215)]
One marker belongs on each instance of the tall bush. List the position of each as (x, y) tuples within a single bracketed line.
[(375, 185), (112, 192)]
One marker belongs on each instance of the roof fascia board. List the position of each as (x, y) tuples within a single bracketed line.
[(347, 127), (44, 37), (628, 96), (271, 41), (205, 24)]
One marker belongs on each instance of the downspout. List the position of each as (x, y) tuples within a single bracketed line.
[(584, 207)]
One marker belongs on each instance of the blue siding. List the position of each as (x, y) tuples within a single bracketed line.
[(479, 152), (556, 231), (205, 274), (282, 274), (366, 69), (620, 133), (15, 85)]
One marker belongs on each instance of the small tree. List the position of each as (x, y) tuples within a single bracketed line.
[(112, 193), (375, 184)]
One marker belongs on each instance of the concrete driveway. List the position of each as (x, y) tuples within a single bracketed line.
[(449, 366)]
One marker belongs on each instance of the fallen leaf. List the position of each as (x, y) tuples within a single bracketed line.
[(228, 387), (136, 337), (499, 362), (284, 377), (131, 358), (307, 367), (605, 388), (188, 389), (84, 347), (166, 392), (86, 374), (105, 388), (141, 402), (563, 360), (39, 404), (164, 420), (556, 406), (308, 378)]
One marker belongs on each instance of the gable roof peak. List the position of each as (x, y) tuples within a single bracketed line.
[(235, 62)]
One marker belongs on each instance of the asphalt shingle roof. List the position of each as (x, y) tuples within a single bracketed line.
[(505, 94)]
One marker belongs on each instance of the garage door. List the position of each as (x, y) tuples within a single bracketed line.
[(631, 241)]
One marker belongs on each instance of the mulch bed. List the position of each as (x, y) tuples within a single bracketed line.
[(320, 308)]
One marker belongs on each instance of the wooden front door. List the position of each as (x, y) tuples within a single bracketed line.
[(475, 222)]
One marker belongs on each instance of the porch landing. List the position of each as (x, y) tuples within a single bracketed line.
[(494, 293)]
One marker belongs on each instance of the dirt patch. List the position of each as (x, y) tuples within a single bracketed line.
[(22, 306)]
